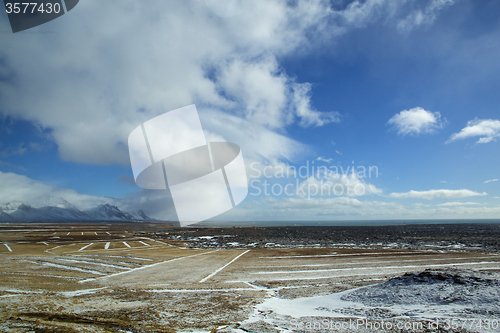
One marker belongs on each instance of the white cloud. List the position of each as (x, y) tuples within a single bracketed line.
[(326, 160), (308, 116), (299, 204), (330, 183), (115, 64), (338, 152), (487, 129), (309, 209), (270, 97), (345, 208), (416, 121), (21, 188), (256, 141), (155, 204), (432, 194), (420, 17), (456, 203), (490, 181)]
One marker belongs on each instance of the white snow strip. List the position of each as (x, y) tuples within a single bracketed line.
[(346, 254), (95, 233), (86, 246), (47, 275), (196, 290), (106, 246), (154, 240), (144, 243), (72, 268), (108, 233), (45, 243), (372, 273), (220, 269), (25, 230), (350, 263), (94, 263), (333, 276), (68, 233), (126, 257), (146, 266), (126, 244), (382, 267), (82, 233), (81, 292), (117, 249), (5, 296), (252, 285), (8, 247), (48, 251)]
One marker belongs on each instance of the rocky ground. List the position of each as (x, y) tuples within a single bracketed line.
[(484, 237)]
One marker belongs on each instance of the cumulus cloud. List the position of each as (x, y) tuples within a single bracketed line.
[(308, 116), (257, 142), (330, 183), (487, 129), (269, 96), (416, 121), (432, 194), (115, 64), (135, 62)]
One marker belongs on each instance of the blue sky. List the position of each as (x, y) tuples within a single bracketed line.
[(408, 87)]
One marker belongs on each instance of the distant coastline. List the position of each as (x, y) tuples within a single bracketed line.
[(226, 224)]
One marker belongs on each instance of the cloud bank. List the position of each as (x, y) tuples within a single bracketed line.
[(432, 194), (112, 65)]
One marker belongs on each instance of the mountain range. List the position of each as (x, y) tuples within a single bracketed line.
[(59, 210)]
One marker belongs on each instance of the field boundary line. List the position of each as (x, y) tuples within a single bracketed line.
[(220, 269), (381, 267), (144, 267)]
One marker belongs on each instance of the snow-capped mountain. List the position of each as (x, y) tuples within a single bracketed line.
[(53, 202), (25, 212), (59, 210), (140, 216), (4, 217), (108, 212)]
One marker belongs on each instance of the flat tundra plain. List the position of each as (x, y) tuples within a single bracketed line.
[(159, 278)]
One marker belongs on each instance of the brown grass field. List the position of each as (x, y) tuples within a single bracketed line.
[(125, 278)]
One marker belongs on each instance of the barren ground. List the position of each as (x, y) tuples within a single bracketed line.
[(159, 278)]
